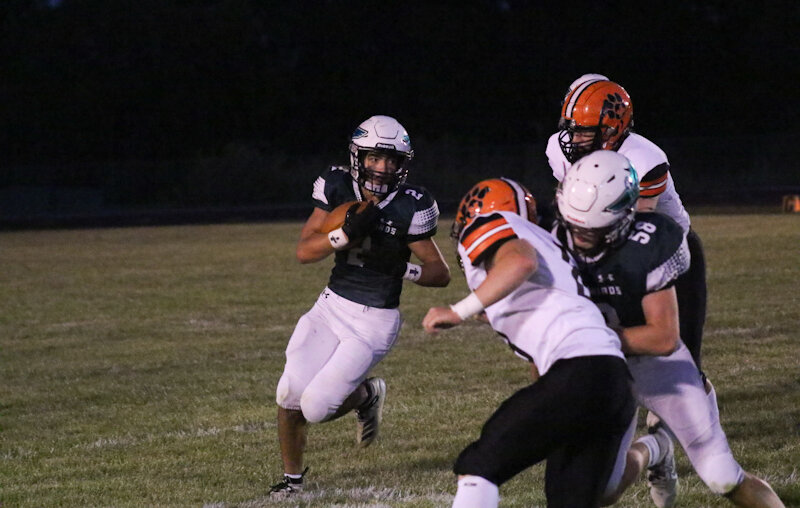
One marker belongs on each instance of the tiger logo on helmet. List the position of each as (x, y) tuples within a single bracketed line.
[(596, 115), (493, 195)]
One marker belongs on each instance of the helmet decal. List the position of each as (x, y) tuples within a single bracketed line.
[(495, 194), (597, 115), (473, 200), (612, 106), (380, 134)]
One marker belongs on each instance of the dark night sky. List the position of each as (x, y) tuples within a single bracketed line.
[(226, 102), (120, 79)]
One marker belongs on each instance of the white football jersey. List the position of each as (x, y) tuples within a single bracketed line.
[(549, 317), (648, 159)]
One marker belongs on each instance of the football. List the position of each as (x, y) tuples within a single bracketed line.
[(335, 218)]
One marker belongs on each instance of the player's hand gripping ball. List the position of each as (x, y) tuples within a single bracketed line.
[(358, 222), (335, 218)]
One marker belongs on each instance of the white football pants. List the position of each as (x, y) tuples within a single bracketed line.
[(671, 387), (333, 347)]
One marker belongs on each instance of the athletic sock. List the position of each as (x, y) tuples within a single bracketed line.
[(476, 492), (656, 448)]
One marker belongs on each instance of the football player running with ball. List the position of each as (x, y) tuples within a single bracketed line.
[(576, 415), (355, 321), (630, 261)]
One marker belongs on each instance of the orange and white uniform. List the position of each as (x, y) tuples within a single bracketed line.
[(652, 167), (549, 317)]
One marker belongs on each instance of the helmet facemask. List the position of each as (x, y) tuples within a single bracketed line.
[(378, 183), (591, 139), (383, 136)]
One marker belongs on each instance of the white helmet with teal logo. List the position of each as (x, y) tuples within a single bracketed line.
[(381, 134), (599, 193)]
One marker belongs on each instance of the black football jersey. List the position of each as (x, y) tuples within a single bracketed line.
[(653, 256), (406, 215)]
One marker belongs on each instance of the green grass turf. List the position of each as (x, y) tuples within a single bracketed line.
[(139, 368)]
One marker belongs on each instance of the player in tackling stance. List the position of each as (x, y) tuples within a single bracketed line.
[(630, 261), (576, 414), (355, 320), (597, 114)]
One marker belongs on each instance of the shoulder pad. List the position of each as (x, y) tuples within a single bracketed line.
[(485, 234), (417, 193), (332, 187), (661, 246), (643, 154)]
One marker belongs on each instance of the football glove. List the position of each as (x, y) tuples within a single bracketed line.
[(358, 225)]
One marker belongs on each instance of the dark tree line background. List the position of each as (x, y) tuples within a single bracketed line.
[(194, 103)]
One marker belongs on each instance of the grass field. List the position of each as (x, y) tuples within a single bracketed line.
[(139, 368)]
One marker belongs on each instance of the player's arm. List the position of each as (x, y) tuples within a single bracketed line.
[(357, 224), (434, 269), (646, 204), (510, 265), (314, 245), (659, 335), (653, 184)]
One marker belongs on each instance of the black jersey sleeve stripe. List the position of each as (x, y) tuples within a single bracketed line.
[(478, 223), (655, 174)]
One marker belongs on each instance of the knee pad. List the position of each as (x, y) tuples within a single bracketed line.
[(336, 380), (316, 406), (713, 461), (721, 473), (284, 394), (476, 492)]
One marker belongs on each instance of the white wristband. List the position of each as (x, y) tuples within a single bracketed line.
[(413, 272), (338, 238), (467, 307)]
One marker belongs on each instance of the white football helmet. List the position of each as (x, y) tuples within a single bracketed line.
[(380, 134), (598, 196)]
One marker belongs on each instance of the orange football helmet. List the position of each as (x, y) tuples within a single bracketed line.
[(597, 115), (496, 194)]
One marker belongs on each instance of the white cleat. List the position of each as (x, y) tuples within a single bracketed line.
[(662, 478), (369, 416)]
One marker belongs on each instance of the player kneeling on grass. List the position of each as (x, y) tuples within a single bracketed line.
[(576, 414), (630, 261), (355, 321)]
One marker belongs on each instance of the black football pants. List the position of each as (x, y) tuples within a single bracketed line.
[(574, 416), (691, 290)]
